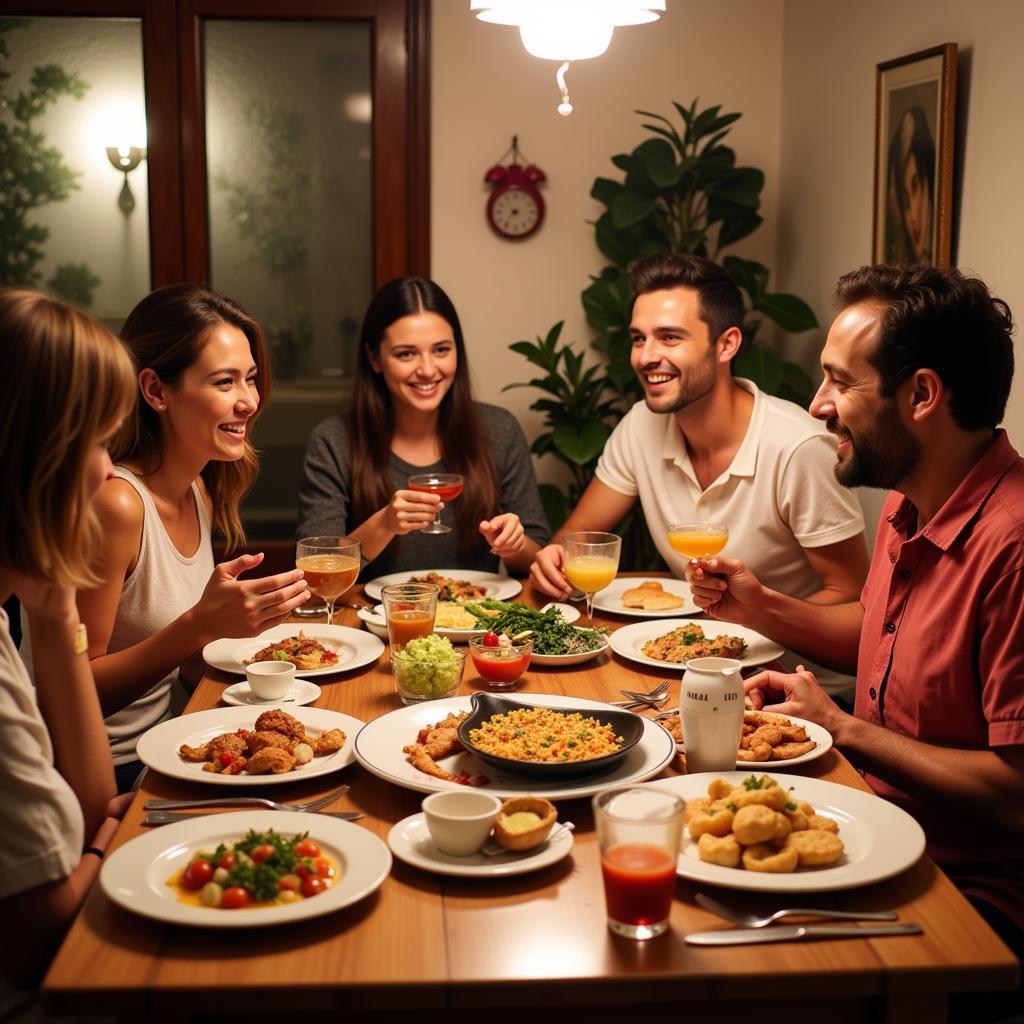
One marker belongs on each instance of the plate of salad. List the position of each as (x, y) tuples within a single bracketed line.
[(556, 642)]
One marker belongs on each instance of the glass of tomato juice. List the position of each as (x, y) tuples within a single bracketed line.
[(638, 832)]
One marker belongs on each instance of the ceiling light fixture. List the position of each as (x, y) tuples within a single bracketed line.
[(567, 30)]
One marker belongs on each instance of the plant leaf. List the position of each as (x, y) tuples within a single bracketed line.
[(630, 207), (604, 190), (556, 509), (761, 366), (789, 312), (581, 444)]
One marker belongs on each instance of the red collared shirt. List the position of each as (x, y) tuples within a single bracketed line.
[(942, 651)]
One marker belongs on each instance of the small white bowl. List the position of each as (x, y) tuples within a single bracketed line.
[(270, 680), (460, 821)]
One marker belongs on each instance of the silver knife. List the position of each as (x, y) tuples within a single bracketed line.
[(739, 936)]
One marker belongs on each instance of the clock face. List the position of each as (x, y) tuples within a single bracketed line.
[(514, 212)]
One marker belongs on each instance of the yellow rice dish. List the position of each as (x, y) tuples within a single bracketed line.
[(545, 736)]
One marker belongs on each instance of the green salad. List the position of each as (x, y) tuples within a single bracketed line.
[(551, 633), (428, 666)]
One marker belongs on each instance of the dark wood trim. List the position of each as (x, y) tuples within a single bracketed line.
[(195, 215), (418, 105)]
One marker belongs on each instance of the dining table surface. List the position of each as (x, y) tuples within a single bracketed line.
[(437, 947)]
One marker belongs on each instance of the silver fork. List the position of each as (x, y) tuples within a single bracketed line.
[(169, 817), (753, 921), (245, 801), (653, 699)]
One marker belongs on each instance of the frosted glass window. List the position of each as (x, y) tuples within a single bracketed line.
[(75, 87)]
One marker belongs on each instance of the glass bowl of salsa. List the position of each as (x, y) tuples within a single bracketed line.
[(500, 660)]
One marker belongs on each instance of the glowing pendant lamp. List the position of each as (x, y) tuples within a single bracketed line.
[(567, 30)]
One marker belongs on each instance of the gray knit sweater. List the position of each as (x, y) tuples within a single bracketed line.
[(326, 495)]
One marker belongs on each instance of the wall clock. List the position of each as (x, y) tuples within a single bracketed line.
[(515, 208)]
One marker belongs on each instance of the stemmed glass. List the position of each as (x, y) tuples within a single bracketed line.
[(447, 486), (591, 562), (697, 540), (331, 565)]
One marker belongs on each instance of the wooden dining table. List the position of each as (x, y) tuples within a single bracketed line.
[(440, 948)]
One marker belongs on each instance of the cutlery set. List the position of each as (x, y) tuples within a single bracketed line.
[(160, 809), (650, 700), (756, 929)]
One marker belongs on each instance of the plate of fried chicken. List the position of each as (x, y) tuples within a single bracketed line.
[(236, 747)]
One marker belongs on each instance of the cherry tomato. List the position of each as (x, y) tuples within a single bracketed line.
[(289, 882), (225, 758), (324, 868), (261, 853), (227, 862), (235, 898), (305, 869), (312, 885), (196, 875), (490, 639), (307, 848)]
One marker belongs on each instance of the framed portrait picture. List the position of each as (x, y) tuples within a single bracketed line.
[(914, 158)]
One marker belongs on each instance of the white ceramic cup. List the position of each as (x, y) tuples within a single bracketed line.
[(270, 680), (460, 821)]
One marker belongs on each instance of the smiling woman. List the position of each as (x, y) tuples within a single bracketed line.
[(183, 462)]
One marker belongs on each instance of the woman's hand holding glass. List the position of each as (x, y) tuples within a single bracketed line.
[(504, 533), (409, 511), (234, 607)]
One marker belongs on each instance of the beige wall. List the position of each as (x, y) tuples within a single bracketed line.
[(830, 49), (486, 88)]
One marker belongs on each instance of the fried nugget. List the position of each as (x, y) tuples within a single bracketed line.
[(698, 805), (280, 721), (815, 848), (765, 857), (270, 759), (760, 752), (717, 823), (769, 796), (754, 823), (257, 741), (784, 751), (822, 824), (327, 742), (226, 743), (719, 788), (723, 850)]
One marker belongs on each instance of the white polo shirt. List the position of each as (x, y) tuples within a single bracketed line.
[(778, 496)]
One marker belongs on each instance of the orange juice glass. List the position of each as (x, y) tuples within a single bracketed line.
[(591, 562), (330, 564), (697, 540), (409, 609)]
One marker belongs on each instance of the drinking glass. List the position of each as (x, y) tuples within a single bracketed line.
[(638, 833), (409, 609), (697, 540), (447, 486), (500, 667), (331, 565), (591, 562)]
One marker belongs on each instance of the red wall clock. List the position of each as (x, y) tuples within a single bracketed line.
[(515, 208)]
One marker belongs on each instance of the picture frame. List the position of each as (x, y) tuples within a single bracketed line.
[(915, 113)]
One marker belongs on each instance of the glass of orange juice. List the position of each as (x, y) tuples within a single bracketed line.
[(331, 565), (409, 609), (591, 562), (697, 540)]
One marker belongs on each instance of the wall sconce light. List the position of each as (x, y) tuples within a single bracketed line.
[(567, 30), (125, 158)]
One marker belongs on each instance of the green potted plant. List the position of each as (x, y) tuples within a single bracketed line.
[(681, 192)]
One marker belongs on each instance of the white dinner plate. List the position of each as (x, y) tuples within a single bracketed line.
[(881, 839), (158, 747), (822, 737), (501, 588), (355, 647), (302, 691), (379, 749), (567, 660), (610, 599), (376, 623), (135, 875), (629, 641), (410, 841)]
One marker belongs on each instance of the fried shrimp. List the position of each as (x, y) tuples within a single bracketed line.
[(257, 741), (274, 760), (226, 743), (327, 742)]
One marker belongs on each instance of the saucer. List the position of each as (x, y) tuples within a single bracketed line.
[(410, 841), (302, 691)]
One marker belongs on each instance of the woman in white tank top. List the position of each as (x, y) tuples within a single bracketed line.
[(184, 462)]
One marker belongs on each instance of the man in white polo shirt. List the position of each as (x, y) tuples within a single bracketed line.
[(704, 446)]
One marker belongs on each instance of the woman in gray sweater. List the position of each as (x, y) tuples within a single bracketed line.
[(413, 412)]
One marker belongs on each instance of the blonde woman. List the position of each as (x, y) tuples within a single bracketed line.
[(183, 463), (67, 384)]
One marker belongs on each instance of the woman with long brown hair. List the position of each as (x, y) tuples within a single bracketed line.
[(412, 412), (183, 463), (66, 386)]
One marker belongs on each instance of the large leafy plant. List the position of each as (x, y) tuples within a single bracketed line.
[(682, 191)]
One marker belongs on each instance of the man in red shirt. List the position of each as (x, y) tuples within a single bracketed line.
[(917, 370)]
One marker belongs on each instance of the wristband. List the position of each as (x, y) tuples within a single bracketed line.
[(95, 850), (81, 642)]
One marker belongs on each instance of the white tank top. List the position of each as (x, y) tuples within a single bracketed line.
[(163, 585)]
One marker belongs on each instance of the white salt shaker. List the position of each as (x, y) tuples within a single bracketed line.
[(711, 708)]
